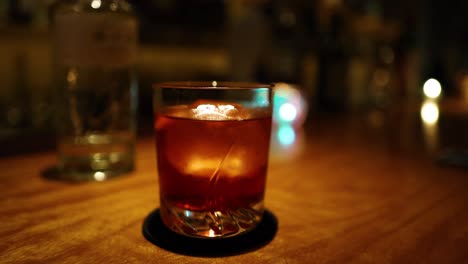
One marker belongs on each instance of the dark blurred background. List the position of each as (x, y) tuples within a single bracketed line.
[(345, 55)]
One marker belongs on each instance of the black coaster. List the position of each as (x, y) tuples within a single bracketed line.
[(158, 234)]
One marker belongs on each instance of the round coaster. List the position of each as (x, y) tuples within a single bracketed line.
[(158, 234)]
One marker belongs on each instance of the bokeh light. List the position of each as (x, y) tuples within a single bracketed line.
[(287, 112), (99, 176), (286, 135), (290, 107), (430, 113), (287, 142), (432, 88), (96, 4)]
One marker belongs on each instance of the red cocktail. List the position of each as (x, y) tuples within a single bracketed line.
[(212, 164)]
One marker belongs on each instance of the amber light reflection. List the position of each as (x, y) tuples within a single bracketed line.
[(430, 117)]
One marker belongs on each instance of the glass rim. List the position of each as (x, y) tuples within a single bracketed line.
[(221, 85)]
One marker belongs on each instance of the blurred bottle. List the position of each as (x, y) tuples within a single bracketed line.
[(248, 21), (20, 11), (3, 13), (332, 90), (364, 16), (95, 52), (15, 115), (289, 41)]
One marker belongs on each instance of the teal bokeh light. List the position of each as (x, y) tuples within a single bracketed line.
[(289, 106), (286, 135)]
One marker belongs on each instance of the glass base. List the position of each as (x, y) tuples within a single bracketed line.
[(76, 175), (95, 157), (83, 169), (211, 224)]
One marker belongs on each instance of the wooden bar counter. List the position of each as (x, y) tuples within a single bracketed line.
[(363, 189)]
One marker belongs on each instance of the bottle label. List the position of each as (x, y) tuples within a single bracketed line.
[(95, 39)]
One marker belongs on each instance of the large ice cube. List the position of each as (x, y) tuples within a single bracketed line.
[(227, 165), (213, 110)]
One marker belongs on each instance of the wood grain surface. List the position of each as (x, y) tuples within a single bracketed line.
[(364, 190)]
